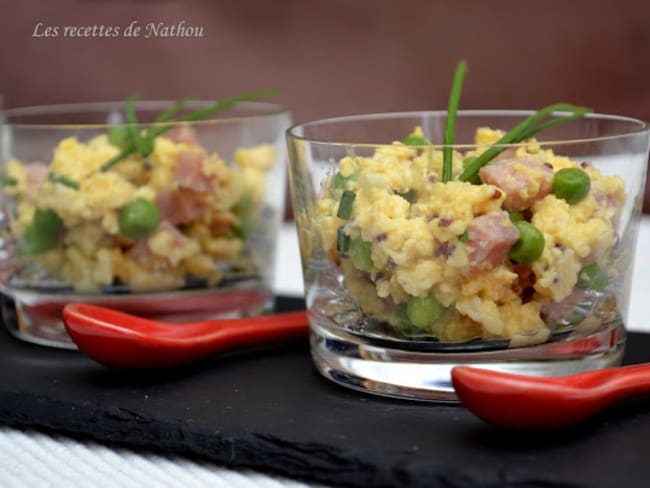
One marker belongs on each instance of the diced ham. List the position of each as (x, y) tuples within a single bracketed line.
[(610, 202), (524, 181), (139, 251), (222, 223), (573, 307), (182, 133), (508, 153), (189, 172), (178, 238), (179, 206), (35, 174), (524, 286), (489, 238)]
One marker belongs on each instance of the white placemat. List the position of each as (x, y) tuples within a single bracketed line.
[(31, 459)]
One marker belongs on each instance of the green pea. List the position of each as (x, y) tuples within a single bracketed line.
[(401, 322), (530, 244), (35, 242), (360, 252), (416, 141), (423, 312), (571, 184), (516, 216), (592, 277), (6, 180), (47, 221), (42, 234), (138, 219)]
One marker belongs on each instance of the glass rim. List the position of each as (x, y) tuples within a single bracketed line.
[(642, 127), (272, 110)]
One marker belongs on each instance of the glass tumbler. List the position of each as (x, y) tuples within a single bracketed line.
[(522, 265), (182, 228)]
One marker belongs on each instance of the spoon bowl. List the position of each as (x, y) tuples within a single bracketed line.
[(121, 340), (544, 403)]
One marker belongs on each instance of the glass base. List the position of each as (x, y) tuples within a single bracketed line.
[(359, 363), (37, 318)]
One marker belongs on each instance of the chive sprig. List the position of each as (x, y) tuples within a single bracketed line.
[(544, 118), (521, 132), (131, 139), (450, 126)]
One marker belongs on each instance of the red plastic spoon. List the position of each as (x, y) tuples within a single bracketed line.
[(121, 340), (539, 403)]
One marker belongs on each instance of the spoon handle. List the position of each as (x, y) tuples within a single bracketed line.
[(257, 331), (625, 381)]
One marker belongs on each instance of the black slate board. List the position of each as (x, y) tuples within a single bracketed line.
[(269, 410)]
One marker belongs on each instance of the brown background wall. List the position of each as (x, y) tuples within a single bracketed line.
[(334, 57)]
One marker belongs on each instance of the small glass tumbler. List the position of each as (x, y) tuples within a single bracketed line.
[(523, 265), (170, 220)]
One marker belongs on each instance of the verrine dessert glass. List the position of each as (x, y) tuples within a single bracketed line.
[(523, 266), (181, 228)]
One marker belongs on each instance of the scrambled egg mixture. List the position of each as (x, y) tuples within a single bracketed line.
[(406, 236), (205, 206)]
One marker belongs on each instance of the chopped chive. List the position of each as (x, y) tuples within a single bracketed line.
[(342, 240), (243, 205), (245, 227), (361, 254), (345, 205), (409, 196), (450, 126), (338, 182), (463, 237), (57, 178)]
